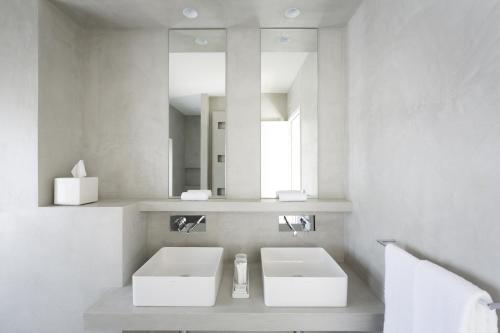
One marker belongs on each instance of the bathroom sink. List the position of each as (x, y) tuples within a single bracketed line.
[(302, 277), (179, 276)]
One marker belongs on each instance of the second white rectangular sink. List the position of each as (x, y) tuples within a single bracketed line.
[(179, 276), (302, 277)]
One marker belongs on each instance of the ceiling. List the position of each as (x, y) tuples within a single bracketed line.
[(126, 14), (279, 70), (186, 40), (295, 40), (195, 73), (192, 74)]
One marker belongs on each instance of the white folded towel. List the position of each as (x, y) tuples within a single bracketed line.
[(208, 192), (291, 195), (400, 269), (447, 303), (194, 196)]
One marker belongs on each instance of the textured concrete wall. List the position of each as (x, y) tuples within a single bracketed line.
[(332, 111), (243, 113), (58, 261), (424, 130), (247, 233), (59, 98), (126, 112), (18, 103)]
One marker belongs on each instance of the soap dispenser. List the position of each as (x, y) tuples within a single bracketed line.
[(240, 279)]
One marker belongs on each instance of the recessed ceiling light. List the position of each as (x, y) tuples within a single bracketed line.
[(202, 41), (190, 13), (292, 12), (284, 39)]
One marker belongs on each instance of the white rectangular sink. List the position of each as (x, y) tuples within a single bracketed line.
[(302, 277), (179, 276)]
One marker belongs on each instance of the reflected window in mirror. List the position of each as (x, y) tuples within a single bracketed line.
[(289, 117), (197, 111)]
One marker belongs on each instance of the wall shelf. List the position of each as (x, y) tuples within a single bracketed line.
[(246, 206)]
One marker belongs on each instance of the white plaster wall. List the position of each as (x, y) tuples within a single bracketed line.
[(424, 130), (134, 245), (332, 110), (304, 94), (126, 112), (192, 147), (273, 107), (192, 144), (18, 103), (55, 263), (59, 98), (243, 113), (176, 133)]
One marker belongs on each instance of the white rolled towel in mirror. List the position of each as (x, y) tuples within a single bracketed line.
[(291, 195), (194, 196), (208, 192)]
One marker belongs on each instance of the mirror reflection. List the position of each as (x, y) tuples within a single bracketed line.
[(289, 89), (197, 71)]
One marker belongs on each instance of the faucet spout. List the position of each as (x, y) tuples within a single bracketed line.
[(195, 224), (290, 226)]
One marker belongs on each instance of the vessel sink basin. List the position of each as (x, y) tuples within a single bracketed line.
[(179, 276), (302, 277)]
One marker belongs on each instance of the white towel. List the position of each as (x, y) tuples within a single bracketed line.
[(447, 303), (194, 196), (400, 269), (291, 195), (208, 192)]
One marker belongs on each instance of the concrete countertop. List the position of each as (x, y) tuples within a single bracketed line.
[(115, 310)]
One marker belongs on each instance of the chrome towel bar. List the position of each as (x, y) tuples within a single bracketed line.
[(385, 242)]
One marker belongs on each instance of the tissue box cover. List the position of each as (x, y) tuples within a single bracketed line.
[(75, 191)]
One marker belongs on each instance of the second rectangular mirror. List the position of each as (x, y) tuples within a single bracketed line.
[(197, 89), (289, 118)]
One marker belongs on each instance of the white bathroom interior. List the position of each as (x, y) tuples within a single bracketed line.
[(249, 166)]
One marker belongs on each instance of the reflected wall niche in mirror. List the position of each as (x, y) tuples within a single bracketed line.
[(197, 90), (289, 117)]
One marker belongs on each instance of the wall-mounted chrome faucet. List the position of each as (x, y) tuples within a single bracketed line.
[(296, 223), (188, 223)]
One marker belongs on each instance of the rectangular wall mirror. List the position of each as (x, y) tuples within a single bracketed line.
[(197, 89), (289, 117)]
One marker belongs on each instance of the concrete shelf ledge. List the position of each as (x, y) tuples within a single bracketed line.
[(246, 206), (223, 205), (364, 312)]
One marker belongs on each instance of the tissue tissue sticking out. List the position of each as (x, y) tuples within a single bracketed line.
[(78, 170), (76, 190)]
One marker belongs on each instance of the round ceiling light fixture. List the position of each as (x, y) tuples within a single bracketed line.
[(292, 13), (190, 13), (202, 41)]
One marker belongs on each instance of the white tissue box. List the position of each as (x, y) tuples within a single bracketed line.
[(75, 191)]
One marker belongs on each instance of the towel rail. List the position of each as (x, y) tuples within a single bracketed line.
[(385, 242)]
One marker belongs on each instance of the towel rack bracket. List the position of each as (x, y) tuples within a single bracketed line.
[(385, 242), (494, 306)]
